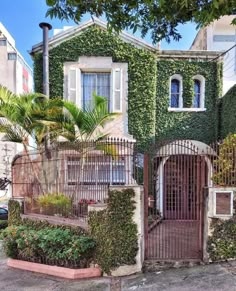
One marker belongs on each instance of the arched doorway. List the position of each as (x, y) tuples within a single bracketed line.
[(181, 171)]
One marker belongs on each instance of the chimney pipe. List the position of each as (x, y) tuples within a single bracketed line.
[(45, 27)]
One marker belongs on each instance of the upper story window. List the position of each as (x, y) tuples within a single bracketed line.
[(176, 91), (11, 56), (3, 42), (177, 94), (99, 83), (96, 75), (199, 92)]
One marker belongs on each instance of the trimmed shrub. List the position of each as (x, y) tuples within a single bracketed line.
[(14, 212), (114, 231), (51, 246), (222, 243)]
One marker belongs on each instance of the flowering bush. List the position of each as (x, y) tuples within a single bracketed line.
[(53, 246)]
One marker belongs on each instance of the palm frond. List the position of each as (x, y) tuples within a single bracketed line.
[(11, 133)]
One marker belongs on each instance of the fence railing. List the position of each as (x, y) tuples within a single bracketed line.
[(82, 172)]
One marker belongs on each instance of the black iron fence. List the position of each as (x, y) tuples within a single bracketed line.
[(65, 179)]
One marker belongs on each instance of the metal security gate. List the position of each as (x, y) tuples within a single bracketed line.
[(174, 202)]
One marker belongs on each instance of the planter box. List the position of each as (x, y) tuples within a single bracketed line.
[(61, 272)]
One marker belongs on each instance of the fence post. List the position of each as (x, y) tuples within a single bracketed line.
[(146, 189)]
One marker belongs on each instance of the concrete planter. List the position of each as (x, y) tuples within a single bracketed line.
[(61, 272)]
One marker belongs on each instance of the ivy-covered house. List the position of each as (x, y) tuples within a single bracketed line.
[(159, 94), (170, 99)]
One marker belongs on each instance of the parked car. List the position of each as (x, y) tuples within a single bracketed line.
[(3, 213)]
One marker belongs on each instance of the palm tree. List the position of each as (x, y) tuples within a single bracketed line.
[(43, 120), (22, 120), (86, 128), (86, 125)]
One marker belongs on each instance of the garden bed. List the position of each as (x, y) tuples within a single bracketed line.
[(61, 272), (57, 220)]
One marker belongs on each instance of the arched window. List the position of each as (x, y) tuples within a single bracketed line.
[(176, 91), (197, 94)]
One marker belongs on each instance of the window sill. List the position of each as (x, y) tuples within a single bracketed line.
[(170, 109)]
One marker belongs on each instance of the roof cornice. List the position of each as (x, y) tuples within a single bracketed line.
[(76, 30)]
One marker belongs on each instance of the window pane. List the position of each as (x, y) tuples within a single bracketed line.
[(89, 173), (104, 173), (175, 93), (117, 79), (118, 174), (98, 83), (73, 173), (73, 169), (89, 87), (11, 56), (197, 94), (3, 42), (103, 85)]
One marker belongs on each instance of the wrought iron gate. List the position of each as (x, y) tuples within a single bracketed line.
[(174, 202)]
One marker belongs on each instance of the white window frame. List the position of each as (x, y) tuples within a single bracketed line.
[(231, 203), (180, 79), (110, 102), (95, 65), (111, 164), (186, 109)]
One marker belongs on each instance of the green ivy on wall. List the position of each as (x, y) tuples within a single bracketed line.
[(200, 126), (148, 86), (141, 74), (228, 113)]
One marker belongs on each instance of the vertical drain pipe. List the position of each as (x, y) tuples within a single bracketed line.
[(45, 27)]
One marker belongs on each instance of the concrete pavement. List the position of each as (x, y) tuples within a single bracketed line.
[(217, 277)]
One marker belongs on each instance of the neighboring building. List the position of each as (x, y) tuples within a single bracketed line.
[(16, 76), (220, 36), (15, 73)]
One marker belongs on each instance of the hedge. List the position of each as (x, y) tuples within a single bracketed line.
[(115, 232)]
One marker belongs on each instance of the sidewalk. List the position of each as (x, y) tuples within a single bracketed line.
[(207, 278)]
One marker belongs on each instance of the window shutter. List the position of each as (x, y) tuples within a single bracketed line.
[(117, 90), (74, 85)]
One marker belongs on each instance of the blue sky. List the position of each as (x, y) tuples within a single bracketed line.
[(22, 17)]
